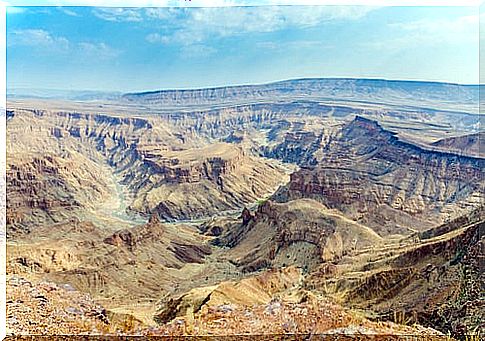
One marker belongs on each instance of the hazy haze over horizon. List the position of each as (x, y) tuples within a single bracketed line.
[(143, 49)]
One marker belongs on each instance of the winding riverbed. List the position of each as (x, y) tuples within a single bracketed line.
[(116, 206)]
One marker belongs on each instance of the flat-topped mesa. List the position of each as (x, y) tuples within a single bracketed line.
[(368, 123), (364, 129), (369, 90), (177, 168)]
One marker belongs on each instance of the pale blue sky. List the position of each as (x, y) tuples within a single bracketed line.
[(135, 49)]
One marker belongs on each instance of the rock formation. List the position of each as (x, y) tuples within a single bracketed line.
[(388, 184), (471, 144), (301, 232)]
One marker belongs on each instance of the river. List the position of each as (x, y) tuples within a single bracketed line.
[(116, 206)]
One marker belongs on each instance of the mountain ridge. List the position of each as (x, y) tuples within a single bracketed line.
[(290, 80), (427, 94)]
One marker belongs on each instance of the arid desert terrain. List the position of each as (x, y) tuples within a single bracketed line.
[(335, 206)]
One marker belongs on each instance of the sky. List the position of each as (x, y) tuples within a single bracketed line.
[(138, 49)]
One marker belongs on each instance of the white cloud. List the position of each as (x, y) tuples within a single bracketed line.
[(441, 27), (157, 38), (268, 45), (119, 14), (186, 50), (159, 13), (197, 50), (297, 44), (68, 11), (37, 37), (198, 24), (98, 50)]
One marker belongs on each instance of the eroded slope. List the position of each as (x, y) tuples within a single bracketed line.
[(393, 186)]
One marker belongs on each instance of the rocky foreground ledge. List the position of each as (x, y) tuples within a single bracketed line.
[(43, 308)]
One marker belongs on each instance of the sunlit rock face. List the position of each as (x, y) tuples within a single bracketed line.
[(388, 184)]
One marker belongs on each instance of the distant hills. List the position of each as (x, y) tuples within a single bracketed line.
[(415, 93), (74, 95), (362, 90)]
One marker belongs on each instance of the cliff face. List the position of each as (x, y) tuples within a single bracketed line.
[(200, 182), (75, 157), (57, 164), (298, 147), (391, 185), (48, 188), (471, 144), (196, 165), (433, 281)]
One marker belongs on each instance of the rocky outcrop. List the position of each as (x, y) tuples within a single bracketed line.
[(434, 281), (202, 182), (130, 238), (154, 233), (301, 232), (367, 169), (189, 253), (175, 169), (50, 308), (470, 218), (257, 289), (444, 290), (246, 216), (47, 188), (298, 147)]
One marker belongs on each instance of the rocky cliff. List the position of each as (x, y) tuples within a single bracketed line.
[(201, 182), (433, 281), (150, 156), (45, 189), (470, 144), (392, 185)]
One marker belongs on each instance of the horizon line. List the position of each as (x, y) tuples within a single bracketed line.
[(235, 85)]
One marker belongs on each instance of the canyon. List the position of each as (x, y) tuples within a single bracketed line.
[(171, 209)]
